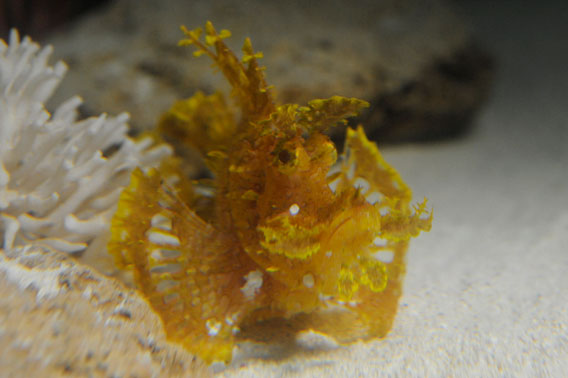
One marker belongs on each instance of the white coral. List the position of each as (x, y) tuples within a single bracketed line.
[(57, 187)]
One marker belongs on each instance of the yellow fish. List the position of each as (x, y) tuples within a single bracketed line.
[(283, 230)]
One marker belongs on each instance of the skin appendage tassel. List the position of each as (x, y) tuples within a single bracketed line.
[(285, 230)]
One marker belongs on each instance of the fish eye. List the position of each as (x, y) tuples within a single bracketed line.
[(284, 156), (286, 160)]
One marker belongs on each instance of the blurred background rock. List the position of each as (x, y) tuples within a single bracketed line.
[(40, 17), (414, 60)]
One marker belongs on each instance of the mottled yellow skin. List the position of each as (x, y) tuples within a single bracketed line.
[(280, 236)]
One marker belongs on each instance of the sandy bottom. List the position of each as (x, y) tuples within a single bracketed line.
[(487, 289)]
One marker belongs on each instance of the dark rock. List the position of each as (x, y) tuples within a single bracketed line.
[(413, 60)]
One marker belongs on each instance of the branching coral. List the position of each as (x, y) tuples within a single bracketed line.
[(281, 235), (60, 177)]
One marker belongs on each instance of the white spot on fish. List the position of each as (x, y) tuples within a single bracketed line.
[(157, 236), (162, 222), (308, 281), (385, 256), (294, 209), (253, 284), (213, 327)]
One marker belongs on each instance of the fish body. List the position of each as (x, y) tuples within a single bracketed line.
[(284, 230)]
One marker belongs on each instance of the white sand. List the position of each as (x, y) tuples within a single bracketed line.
[(487, 289)]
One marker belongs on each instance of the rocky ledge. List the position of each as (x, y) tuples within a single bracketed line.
[(61, 318)]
